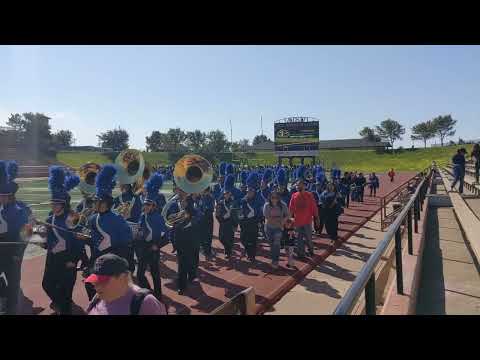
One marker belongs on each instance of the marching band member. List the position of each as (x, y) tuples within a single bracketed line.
[(218, 187), (319, 188), (373, 183), (282, 182), (207, 207), (243, 182), (127, 195), (186, 242), (251, 212), (150, 237), (14, 215), (223, 213), (63, 248), (332, 210), (110, 231)]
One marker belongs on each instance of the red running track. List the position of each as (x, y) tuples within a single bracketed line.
[(220, 280)]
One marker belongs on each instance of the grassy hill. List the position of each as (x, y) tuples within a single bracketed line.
[(362, 160)]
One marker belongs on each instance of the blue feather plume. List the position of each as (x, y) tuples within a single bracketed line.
[(243, 177), (56, 178), (105, 180), (229, 169), (12, 170), (267, 175), (229, 183), (71, 181), (153, 185), (282, 176), (221, 168), (3, 172), (252, 180)]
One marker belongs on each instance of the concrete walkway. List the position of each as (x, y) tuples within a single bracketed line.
[(323, 288), (450, 282)]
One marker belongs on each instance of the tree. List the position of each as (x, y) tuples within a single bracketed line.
[(235, 146), (444, 126), (390, 129), (196, 140), (116, 139), (175, 138), (217, 141), (244, 144), (63, 138), (32, 132), (260, 139), (369, 134), (461, 141), (423, 131), (157, 141)]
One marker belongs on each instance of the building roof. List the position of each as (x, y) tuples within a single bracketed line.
[(351, 143), (329, 144)]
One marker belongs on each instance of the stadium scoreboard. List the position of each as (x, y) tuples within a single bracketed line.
[(296, 136)]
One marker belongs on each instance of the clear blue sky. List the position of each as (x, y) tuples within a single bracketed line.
[(89, 89)]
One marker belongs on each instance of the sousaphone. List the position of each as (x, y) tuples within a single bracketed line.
[(192, 175)]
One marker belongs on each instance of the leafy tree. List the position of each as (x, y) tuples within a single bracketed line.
[(260, 139), (369, 134), (423, 131), (116, 139), (390, 129), (461, 141), (196, 140), (63, 138), (444, 126), (217, 141), (157, 141), (32, 132), (175, 138)]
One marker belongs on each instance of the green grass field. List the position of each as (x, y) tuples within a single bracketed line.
[(362, 160)]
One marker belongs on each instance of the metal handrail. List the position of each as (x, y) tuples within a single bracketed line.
[(366, 277)]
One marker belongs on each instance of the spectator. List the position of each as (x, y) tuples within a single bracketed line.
[(360, 183), (289, 238), (475, 156), (116, 295), (391, 175), (275, 213), (303, 208), (458, 161), (373, 184)]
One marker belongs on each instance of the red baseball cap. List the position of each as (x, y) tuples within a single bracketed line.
[(95, 279)]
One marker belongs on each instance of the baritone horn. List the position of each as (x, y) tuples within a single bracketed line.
[(192, 175)]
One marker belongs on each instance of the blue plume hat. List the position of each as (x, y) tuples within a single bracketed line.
[(282, 177), (153, 186), (229, 169), (267, 175), (243, 177), (105, 182), (60, 182), (11, 172), (252, 181), (229, 183), (300, 173), (4, 188), (221, 169)]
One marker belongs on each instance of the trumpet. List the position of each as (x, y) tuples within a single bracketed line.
[(192, 174)]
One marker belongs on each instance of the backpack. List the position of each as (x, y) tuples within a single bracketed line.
[(135, 304)]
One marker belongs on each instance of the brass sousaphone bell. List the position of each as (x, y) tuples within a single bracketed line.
[(130, 168), (192, 174)]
